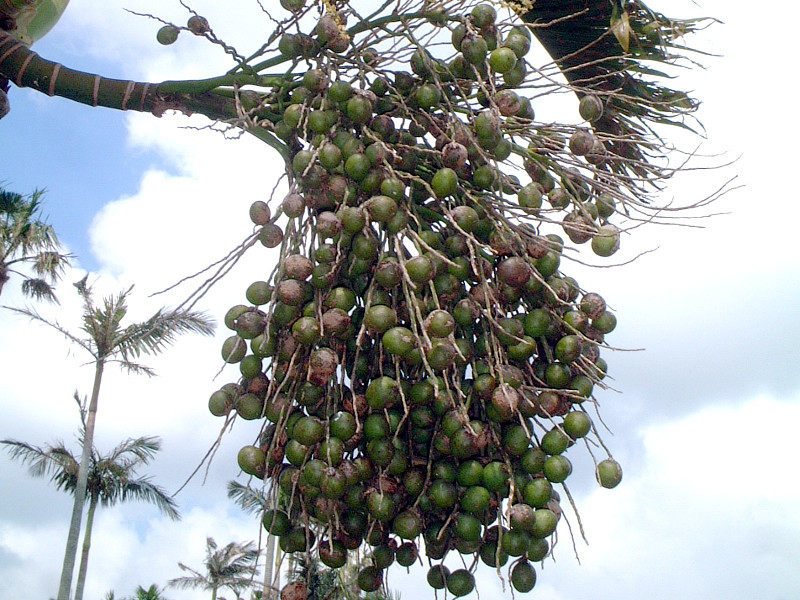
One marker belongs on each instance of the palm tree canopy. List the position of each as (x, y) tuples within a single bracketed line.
[(111, 477), (151, 593), (108, 339), (25, 239), (232, 566)]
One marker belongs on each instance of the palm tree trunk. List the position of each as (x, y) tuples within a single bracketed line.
[(87, 542), (80, 489), (269, 559), (3, 278)]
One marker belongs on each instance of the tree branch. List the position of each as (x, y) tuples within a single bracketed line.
[(26, 68)]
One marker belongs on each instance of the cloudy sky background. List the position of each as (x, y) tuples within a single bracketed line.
[(704, 424)]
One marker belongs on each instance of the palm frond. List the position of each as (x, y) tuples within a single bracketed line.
[(135, 368), (49, 460), (161, 330), (141, 489), (39, 289), (50, 264), (250, 500), (601, 47), (34, 315), (189, 583), (142, 449), (26, 239)]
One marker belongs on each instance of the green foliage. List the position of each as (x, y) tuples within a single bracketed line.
[(233, 566), (28, 244)]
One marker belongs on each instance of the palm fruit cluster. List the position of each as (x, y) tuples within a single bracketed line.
[(419, 361)]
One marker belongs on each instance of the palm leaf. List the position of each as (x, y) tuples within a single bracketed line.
[(39, 289), (144, 491), (161, 330), (49, 460), (246, 497)]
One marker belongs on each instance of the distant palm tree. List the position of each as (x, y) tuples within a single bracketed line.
[(151, 593), (111, 479), (26, 240), (256, 501), (232, 566), (106, 340)]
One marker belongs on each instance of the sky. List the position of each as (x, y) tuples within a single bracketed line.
[(707, 396)]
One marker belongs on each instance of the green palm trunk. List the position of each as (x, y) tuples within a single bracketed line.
[(80, 490), (87, 543)]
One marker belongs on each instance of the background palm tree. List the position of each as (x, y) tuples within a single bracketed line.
[(232, 566), (256, 501), (106, 340), (151, 593), (25, 240), (111, 479)]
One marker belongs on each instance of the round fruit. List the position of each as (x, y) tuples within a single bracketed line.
[(332, 554), (577, 424), (502, 60), (605, 323), (538, 492), (443, 494), (342, 425), (233, 349), (444, 182), (590, 107), (467, 527), (407, 525), (460, 582), (538, 550), (606, 240), (198, 25), (555, 441), (544, 523), (407, 554), (609, 473), (252, 461), (399, 341), (167, 35), (249, 406), (475, 50), (219, 404), (557, 468), (276, 522), (515, 542), (428, 96), (370, 579), (437, 576), (483, 15), (475, 499), (523, 577)]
